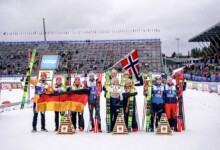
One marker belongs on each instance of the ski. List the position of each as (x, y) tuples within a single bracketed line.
[(67, 85), (107, 86), (131, 106), (181, 116), (145, 89), (98, 92), (27, 80), (148, 103), (64, 85)]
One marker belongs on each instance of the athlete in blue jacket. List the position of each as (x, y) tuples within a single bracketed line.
[(157, 100)]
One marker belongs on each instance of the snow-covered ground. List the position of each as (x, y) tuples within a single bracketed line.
[(202, 130)]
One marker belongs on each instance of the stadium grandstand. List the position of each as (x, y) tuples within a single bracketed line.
[(84, 55), (208, 67)]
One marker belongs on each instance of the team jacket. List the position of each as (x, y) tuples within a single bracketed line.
[(170, 93), (157, 93), (77, 87), (91, 85), (41, 87), (58, 88), (116, 92)]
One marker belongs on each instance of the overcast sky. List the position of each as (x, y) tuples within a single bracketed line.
[(174, 18)]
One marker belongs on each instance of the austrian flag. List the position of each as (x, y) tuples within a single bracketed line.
[(131, 64)]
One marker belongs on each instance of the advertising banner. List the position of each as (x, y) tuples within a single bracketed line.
[(49, 62), (199, 87), (205, 87), (189, 85), (194, 86), (218, 87), (213, 88), (6, 86)]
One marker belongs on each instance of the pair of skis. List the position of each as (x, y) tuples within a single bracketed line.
[(108, 86), (131, 106), (148, 104), (27, 80), (67, 85), (98, 92), (181, 116), (147, 110)]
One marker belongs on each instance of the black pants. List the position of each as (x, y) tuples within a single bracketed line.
[(114, 110), (95, 104), (157, 112), (57, 118), (34, 123), (134, 121), (80, 119)]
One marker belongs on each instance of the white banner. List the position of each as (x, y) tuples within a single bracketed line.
[(218, 86)]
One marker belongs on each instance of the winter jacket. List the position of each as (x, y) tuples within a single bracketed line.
[(41, 87), (170, 94), (74, 87), (57, 88), (91, 85), (157, 93)]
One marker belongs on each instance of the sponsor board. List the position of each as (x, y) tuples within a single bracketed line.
[(49, 62)]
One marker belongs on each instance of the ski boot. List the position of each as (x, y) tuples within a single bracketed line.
[(56, 129), (44, 130), (34, 130), (81, 129)]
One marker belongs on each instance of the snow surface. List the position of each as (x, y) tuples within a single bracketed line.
[(202, 130)]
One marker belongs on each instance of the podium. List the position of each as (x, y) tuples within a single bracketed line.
[(163, 126), (66, 126), (120, 127)]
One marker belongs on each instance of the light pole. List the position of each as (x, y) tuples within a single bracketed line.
[(44, 29), (178, 50), (165, 68)]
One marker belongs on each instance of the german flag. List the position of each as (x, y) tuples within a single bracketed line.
[(73, 100)]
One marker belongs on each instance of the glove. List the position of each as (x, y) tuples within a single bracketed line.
[(104, 89), (145, 93), (105, 94), (125, 95), (179, 99), (133, 94), (27, 69)]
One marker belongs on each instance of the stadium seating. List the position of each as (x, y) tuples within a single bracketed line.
[(89, 55)]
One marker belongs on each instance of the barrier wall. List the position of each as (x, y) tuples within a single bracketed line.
[(213, 87), (202, 79)]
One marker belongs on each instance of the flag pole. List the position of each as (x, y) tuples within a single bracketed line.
[(120, 60)]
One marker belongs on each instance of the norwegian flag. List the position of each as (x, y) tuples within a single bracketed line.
[(131, 64)]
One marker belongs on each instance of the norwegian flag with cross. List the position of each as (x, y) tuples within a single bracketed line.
[(131, 64)]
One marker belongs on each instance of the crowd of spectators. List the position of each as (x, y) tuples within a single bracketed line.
[(208, 68)]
